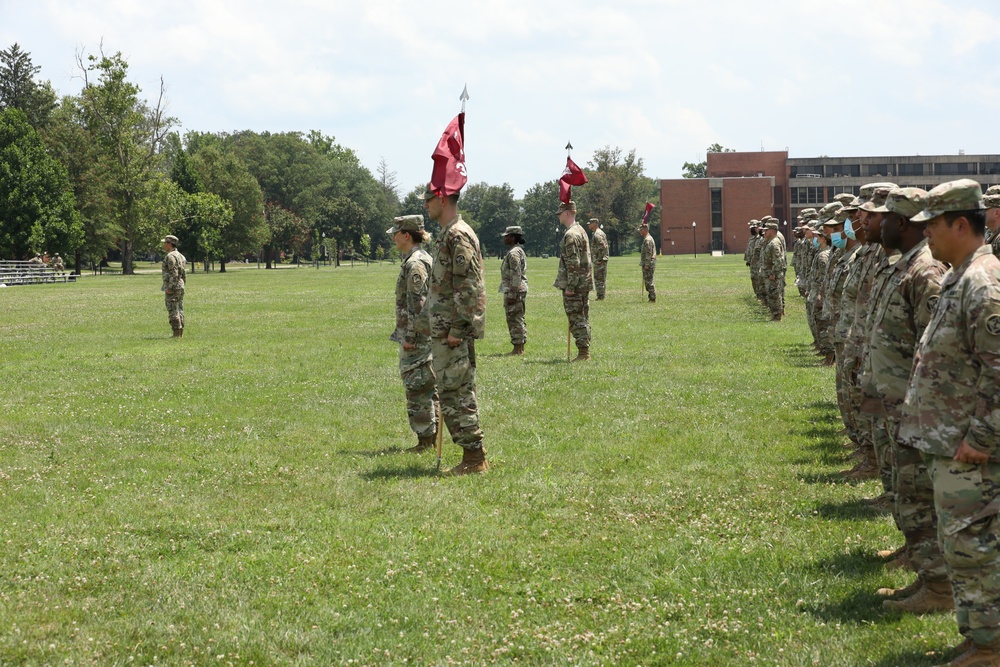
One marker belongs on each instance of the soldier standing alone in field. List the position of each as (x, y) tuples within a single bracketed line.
[(456, 315), (174, 270), (415, 367), (599, 256), (647, 258), (514, 287), (575, 278)]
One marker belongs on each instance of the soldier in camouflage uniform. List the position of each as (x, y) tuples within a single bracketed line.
[(991, 199), (647, 259), (455, 317), (575, 278), (415, 367), (599, 256), (817, 274), (758, 261), (951, 412), (174, 272), (774, 265), (748, 254), (904, 295), (514, 287), (824, 320)]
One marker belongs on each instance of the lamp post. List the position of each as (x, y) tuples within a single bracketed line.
[(694, 238)]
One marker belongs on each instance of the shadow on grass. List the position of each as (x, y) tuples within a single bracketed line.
[(372, 453), (412, 471), (911, 658), (549, 362), (802, 355), (858, 562), (859, 608), (850, 510)]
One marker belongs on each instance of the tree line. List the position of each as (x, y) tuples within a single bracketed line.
[(104, 173)]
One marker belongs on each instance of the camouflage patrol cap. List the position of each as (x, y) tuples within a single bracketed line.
[(827, 212), (961, 195), (406, 223), (878, 198), (991, 198), (907, 202), (170, 238), (754, 224), (567, 206), (806, 212), (594, 221), (772, 223), (513, 230), (845, 198), (842, 214)]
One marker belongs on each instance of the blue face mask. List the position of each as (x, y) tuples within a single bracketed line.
[(815, 242), (849, 230), (838, 240)]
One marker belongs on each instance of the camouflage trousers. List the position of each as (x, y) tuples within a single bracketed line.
[(915, 511), (967, 499), (885, 456), (812, 320), (455, 371), (421, 395), (577, 309), (513, 307), (600, 278), (175, 309), (775, 294), (844, 369), (758, 286), (647, 281), (823, 331)]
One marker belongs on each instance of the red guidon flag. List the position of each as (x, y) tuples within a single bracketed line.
[(449, 175), (649, 208), (572, 175)]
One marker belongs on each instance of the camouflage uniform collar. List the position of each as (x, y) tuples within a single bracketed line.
[(416, 247), (956, 272), (905, 258), (457, 218)]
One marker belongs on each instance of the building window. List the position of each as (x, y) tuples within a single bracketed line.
[(844, 170), (911, 170), (716, 208), (989, 167), (835, 190), (952, 168), (807, 195), (806, 171), (878, 170)]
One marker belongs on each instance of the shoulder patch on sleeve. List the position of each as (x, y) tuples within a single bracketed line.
[(993, 324), (932, 303)]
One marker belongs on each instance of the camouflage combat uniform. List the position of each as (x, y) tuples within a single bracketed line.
[(514, 287), (814, 303), (456, 306), (415, 367), (647, 259), (599, 258), (174, 272), (952, 398), (773, 267), (575, 276)]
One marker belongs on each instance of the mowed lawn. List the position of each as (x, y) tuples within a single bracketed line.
[(240, 496)]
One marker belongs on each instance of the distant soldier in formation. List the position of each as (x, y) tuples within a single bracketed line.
[(415, 365), (514, 287), (773, 267), (647, 259), (455, 315), (575, 278), (750, 253), (599, 256), (991, 200), (174, 272)]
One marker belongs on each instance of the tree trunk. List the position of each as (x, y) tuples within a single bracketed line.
[(222, 266), (127, 268), (77, 262), (267, 257)]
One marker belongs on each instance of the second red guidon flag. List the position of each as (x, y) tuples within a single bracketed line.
[(449, 175), (572, 175)]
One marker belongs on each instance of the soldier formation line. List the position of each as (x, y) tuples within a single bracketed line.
[(902, 294)]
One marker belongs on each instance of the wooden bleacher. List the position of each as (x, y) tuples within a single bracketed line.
[(16, 272)]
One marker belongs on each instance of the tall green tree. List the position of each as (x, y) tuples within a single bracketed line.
[(19, 90), (131, 133), (542, 230), (616, 194), (700, 169), (36, 199), (222, 173), (89, 169), (492, 208)]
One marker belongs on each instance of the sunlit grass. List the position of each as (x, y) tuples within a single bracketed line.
[(239, 495)]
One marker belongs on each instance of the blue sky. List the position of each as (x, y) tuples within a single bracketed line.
[(667, 78)]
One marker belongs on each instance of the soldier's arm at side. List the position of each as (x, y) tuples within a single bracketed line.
[(984, 325)]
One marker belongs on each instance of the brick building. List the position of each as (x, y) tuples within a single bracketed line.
[(739, 187)]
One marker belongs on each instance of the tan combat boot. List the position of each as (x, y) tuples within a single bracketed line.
[(517, 351), (977, 656), (899, 593), (583, 354), (930, 597), (891, 554), (473, 461), (830, 359), (178, 333), (901, 562), (424, 442)]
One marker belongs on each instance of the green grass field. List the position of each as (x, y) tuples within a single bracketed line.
[(240, 496)]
